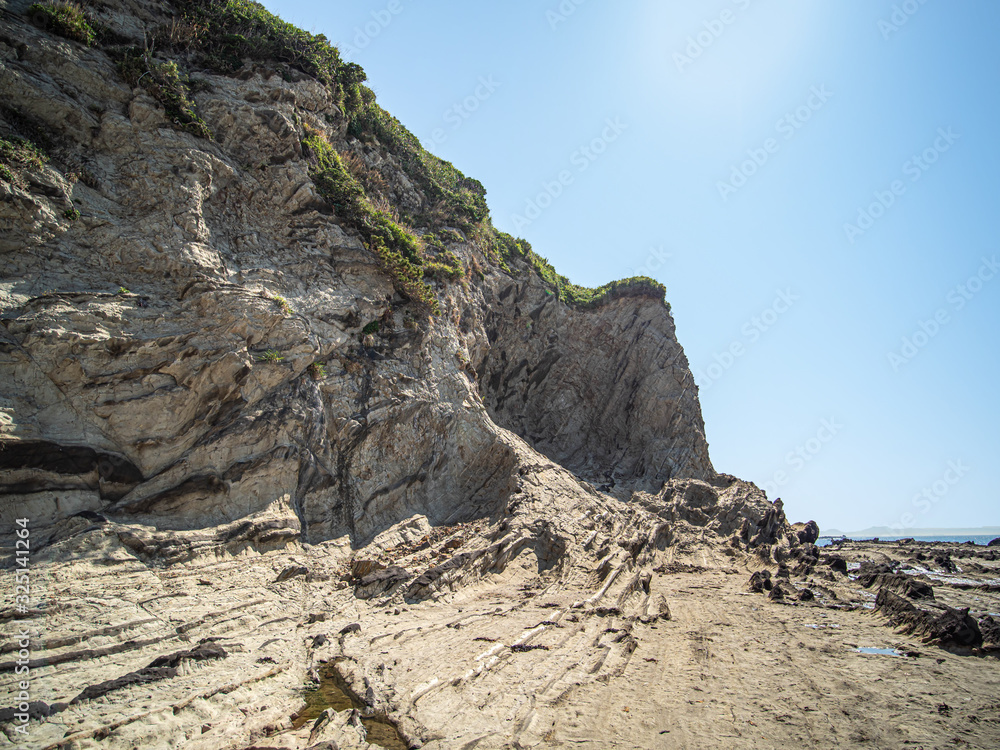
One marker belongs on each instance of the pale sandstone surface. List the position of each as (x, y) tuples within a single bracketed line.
[(208, 527)]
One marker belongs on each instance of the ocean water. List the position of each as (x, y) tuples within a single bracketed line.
[(978, 539)]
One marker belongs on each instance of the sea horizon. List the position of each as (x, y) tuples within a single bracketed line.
[(979, 539)]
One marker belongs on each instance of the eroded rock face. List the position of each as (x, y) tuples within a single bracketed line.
[(608, 395), (204, 433)]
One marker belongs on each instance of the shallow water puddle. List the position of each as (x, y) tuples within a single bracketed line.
[(871, 650), (331, 693)]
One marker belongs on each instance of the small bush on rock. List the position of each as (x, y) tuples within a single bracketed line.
[(166, 84), (65, 19), (17, 154)]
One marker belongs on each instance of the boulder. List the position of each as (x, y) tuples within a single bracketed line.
[(990, 628), (760, 581), (807, 533)]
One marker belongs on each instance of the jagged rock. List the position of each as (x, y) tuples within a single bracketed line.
[(361, 568), (782, 590), (951, 628), (945, 562), (989, 626), (291, 572), (207, 649), (837, 563), (900, 583), (760, 581), (381, 581), (807, 533), (659, 608), (868, 568)]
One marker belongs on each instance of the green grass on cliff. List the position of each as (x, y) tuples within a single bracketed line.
[(223, 34), (228, 31), (65, 19), (457, 199), (165, 83), (17, 154), (397, 249)]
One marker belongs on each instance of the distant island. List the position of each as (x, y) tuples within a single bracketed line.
[(874, 531)]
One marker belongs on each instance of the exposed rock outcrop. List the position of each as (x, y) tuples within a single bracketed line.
[(226, 410), (949, 628)]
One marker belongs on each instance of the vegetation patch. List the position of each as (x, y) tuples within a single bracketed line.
[(452, 195), (586, 298), (224, 34), (397, 249), (271, 355), (166, 84), (19, 154), (282, 303), (65, 19), (445, 265), (449, 267), (227, 32)]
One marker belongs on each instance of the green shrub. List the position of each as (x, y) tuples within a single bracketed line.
[(271, 355), (636, 286), (17, 154), (65, 19), (397, 249), (317, 370), (225, 32), (455, 196), (166, 84), (282, 303), (451, 268), (72, 214), (370, 328)]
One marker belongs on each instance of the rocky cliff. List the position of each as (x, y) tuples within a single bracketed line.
[(265, 363)]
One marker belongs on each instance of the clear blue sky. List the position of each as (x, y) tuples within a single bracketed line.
[(822, 108)]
